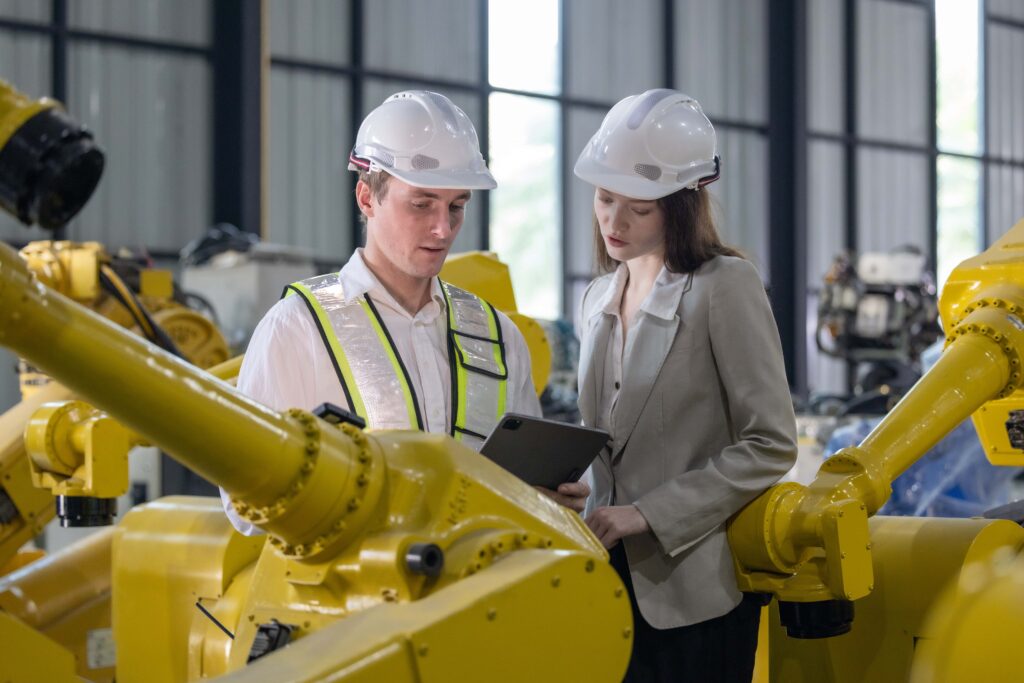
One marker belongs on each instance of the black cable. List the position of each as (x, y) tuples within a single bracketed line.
[(214, 620), (135, 309)]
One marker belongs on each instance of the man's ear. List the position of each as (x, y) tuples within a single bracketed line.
[(364, 199)]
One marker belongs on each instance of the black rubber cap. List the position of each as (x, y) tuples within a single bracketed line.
[(49, 168), (823, 619), (425, 558), (75, 511)]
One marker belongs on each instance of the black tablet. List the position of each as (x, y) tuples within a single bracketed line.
[(543, 452)]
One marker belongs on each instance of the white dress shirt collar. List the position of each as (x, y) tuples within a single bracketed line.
[(662, 301), (357, 279)]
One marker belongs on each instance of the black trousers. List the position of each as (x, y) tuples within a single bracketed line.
[(719, 650)]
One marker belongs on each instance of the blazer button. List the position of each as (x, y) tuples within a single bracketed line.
[(616, 385)]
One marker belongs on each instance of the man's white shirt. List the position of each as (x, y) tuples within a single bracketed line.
[(287, 364)]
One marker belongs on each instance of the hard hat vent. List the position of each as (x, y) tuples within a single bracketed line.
[(385, 158), (421, 162), (447, 113), (649, 171)]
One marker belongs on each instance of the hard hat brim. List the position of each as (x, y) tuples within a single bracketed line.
[(632, 187), (442, 180)]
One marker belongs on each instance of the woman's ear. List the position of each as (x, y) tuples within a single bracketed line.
[(364, 199)]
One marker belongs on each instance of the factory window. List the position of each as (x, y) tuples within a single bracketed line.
[(958, 76), (524, 209), (524, 146)]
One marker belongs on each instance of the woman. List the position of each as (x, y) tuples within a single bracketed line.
[(681, 362)]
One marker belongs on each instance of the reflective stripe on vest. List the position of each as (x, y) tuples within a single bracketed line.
[(476, 353), (357, 341)]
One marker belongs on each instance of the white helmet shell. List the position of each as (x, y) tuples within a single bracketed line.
[(424, 139), (651, 145)]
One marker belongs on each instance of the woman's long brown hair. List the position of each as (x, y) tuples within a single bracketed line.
[(691, 238)]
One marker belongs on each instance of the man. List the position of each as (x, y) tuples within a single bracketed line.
[(384, 337)]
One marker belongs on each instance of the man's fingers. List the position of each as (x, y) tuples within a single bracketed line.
[(578, 489)]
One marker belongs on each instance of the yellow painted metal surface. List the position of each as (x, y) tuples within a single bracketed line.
[(983, 295), (34, 507), (65, 597), (168, 555), (22, 558), (534, 616), (76, 450), (483, 274), (71, 268), (915, 559), (156, 284), (194, 334), (31, 657), (976, 627), (487, 277), (227, 370), (16, 109), (990, 422)]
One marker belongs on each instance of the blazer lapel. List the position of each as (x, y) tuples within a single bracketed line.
[(592, 355)]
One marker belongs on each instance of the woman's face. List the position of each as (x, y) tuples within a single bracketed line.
[(630, 228)]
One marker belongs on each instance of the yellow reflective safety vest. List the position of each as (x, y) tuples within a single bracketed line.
[(374, 378)]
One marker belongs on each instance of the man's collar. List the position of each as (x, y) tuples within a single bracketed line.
[(357, 279)]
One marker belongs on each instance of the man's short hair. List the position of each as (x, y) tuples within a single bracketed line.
[(378, 184)]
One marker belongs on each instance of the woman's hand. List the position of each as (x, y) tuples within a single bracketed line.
[(610, 524), (572, 494)]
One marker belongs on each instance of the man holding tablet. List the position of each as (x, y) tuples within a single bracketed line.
[(385, 338)]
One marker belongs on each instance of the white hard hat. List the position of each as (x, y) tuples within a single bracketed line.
[(422, 138), (651, 145)]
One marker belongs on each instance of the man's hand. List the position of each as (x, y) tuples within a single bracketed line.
[(610, 524), (572, 494)]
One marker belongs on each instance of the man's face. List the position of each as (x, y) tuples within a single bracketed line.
[(412, 228)]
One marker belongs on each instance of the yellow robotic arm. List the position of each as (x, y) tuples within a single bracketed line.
[(419, 556), (810, 546)]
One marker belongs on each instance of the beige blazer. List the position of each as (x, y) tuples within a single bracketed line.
[(703, 424)]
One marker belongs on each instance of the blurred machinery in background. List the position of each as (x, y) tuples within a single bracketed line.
[(241, 277), (878, 315), (131, 295), (560, 399)]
